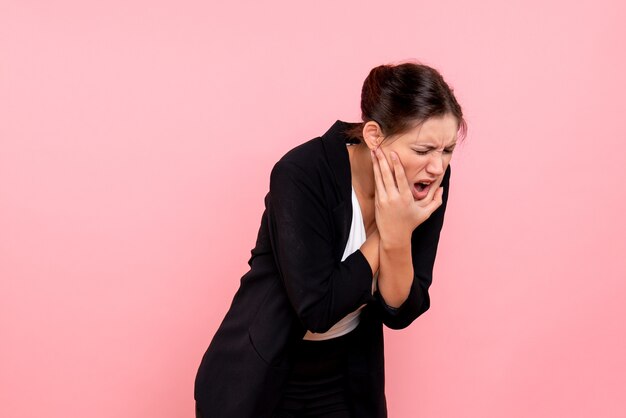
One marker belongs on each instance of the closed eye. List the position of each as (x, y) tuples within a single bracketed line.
[(446, 151)]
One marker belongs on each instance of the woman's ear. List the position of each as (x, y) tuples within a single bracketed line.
[(372, 134)]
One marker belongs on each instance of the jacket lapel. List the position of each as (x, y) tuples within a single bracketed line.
[(334, 141)]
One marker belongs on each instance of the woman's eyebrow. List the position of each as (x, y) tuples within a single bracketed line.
[(431, 146)]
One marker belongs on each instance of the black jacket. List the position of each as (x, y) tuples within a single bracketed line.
[(297, 281)]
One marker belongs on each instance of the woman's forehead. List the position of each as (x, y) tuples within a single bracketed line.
[(439, 131)]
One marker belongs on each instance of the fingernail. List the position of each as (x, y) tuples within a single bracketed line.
[(394, 156)]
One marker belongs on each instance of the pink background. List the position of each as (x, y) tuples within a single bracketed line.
[(136, 141)]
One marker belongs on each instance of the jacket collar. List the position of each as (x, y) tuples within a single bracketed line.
[(334, 141)]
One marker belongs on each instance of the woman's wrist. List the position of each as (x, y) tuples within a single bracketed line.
[(396, 244)]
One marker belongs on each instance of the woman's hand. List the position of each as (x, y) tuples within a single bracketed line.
[(397, 213)]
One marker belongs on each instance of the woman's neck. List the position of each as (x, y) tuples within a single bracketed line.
[(362, 170)]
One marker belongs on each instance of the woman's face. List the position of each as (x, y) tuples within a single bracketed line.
[(425, 152)]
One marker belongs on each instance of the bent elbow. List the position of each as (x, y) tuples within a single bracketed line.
[(320, 317), (405, 316), (317, 324)]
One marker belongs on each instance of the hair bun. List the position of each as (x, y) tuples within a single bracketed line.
[(399, 96)]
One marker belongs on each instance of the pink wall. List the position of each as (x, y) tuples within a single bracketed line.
[(136, 140)]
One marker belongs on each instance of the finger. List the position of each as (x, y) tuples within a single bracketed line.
[(436, 202), (385, 171), (398, 168), (378, 181)]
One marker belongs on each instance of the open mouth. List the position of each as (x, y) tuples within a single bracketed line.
[(421, 186), (421, 190)]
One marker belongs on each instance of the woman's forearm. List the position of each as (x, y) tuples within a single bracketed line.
[(396, 273)]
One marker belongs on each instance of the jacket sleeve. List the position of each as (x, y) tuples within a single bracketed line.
[(320, 289), (424, 242)]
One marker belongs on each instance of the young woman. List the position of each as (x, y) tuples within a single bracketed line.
[(347, 243)]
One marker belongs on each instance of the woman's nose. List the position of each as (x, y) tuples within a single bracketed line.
[(435, 165)]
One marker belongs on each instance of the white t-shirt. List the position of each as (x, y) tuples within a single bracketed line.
[(356, 238)]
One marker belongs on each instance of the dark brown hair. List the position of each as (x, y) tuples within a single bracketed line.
[(400, 97)]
